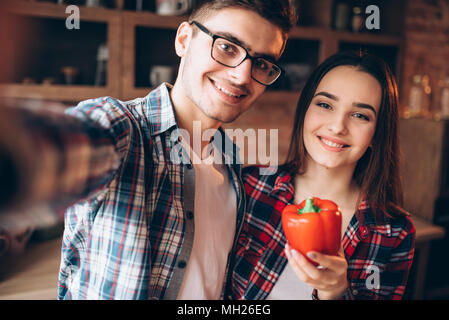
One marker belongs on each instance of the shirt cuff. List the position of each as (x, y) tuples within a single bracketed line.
[(347, 295)]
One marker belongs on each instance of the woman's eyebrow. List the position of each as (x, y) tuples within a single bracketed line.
[(355, 104), (326, 94), (365, 106)]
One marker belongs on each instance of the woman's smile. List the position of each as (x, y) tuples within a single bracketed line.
[(332, 144)]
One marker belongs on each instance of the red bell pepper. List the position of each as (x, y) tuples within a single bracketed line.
[(313, 225)]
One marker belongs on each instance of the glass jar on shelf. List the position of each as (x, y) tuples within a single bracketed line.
[(415, 98), (419, 97), (357, 20), (341, 15)]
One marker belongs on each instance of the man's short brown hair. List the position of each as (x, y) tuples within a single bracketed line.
[(279, 12)]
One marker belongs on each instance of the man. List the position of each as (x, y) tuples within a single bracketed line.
[(150, 226)]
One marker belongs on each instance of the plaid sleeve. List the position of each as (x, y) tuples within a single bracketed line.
[(395, 277), (383, 276), (63, 157)]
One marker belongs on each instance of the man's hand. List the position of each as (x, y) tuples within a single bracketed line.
[(329, 278)]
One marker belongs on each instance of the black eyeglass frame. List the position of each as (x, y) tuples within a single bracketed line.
[(247, 56)]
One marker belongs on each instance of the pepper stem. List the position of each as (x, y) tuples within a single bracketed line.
[(309, 207)]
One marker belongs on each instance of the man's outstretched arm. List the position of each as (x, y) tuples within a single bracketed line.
[(47, 155)]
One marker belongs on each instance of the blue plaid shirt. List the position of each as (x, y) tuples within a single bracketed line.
[(123, 239)]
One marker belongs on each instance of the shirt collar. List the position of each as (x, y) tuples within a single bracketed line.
[(160, 111), (284, 183)]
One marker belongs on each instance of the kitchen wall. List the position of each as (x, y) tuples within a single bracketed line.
[(426, 44)]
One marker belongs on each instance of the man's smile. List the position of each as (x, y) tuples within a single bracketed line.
[(230, 94)]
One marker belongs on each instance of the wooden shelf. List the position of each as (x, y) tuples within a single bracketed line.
[(152, 20), (330, 39), (53, 92), (369, 38), (132, 93), (51, 10), (323, 33)]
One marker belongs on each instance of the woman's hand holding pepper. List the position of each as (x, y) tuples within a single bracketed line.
[(330, 279)]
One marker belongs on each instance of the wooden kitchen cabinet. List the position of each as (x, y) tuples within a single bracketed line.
[(138, 40), (47, 46)]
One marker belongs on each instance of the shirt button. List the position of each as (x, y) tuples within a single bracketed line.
[(355, 292), (189, 215), (182, 264)]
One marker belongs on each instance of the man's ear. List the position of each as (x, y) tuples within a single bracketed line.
[(183, 37)]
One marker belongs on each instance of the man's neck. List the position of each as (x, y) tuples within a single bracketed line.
[(191, 119)]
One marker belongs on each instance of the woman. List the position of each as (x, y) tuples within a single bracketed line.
[(345, 148)]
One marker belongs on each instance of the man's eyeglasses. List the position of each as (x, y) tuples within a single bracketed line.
[(231, 55)]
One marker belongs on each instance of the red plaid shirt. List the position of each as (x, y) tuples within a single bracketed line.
[(385, 248)]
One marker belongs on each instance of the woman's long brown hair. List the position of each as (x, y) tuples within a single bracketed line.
[(378, 171)]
